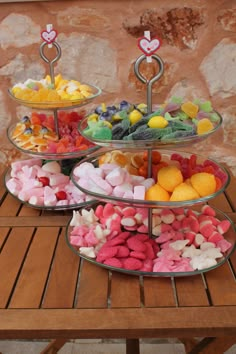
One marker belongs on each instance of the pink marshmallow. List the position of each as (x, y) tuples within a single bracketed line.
[(58, 178), (115, 177), (39, 201), (139, 192), (120, 190), (25, 195)]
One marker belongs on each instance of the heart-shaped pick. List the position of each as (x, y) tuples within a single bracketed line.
[(50, 36), (148, 47)]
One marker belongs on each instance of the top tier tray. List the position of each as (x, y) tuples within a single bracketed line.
[(62, 104)]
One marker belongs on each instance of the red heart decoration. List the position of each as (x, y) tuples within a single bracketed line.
[(148, 47), (49, 37)]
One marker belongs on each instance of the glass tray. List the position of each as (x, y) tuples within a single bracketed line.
[(155, 143), (96, 91), (45, 207), (49, 155), (229, 236), (147, 203)]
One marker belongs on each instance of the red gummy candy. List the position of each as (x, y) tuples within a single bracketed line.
[(113, 262), (136, 245), (105, 253), (132, 263)]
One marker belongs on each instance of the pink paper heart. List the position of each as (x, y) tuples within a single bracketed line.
[(49, 37), (148, 47)]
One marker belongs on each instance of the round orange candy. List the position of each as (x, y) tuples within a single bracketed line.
[(169, 177), (157, 193), (204, 183)]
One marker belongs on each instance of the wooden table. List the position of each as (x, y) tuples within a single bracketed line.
[(46, 291)]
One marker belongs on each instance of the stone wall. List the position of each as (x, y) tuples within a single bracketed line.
[(99, 45)]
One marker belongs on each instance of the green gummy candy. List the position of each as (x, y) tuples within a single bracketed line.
[(120, 115), (181, 126), (177, 100), (125, 123), (206, 106), (214, 117), (103, 134)]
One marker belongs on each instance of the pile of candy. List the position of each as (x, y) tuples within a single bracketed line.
[(184, 241), (171, 121), (44, 91), (37, 133), (124, 175), (43, 184)]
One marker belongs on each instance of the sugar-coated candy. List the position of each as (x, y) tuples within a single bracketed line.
[(181, 250)]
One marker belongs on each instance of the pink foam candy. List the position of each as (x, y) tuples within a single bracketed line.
[(215, 237), (108, 210), (207, 210), (190, 235), (158, 229), (128, 221), (224, 245), (128, 211), (176, 225), (167, 216), (223, 226), (206, 228), (99, 211), (163, 237), (199, 239), (142, 229)]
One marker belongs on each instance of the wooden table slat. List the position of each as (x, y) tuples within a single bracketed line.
[(125, 290), (93, 287), (63, 277), (223, 293), (30, 285), (11, 259), (158, 292), (10, 206), (191, 291)]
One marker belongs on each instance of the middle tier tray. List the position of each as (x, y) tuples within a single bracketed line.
[(173, 180)]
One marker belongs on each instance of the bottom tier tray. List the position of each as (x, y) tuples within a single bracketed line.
[(184, 242)]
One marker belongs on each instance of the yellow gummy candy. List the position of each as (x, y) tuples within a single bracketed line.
[(190, 109), (135, 116), (157, 122), (204, 126)]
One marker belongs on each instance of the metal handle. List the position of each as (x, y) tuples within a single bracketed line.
[(151, 81), (50, 62)]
